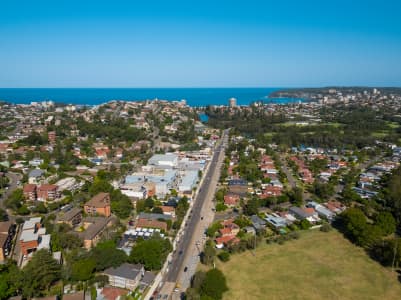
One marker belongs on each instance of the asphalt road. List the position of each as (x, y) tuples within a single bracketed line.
[(291, 180), (12, 186), (184, 245)]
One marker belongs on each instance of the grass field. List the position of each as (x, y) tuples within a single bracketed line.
[(317, 266)]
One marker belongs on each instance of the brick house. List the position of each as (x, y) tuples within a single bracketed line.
[(48, 192), (99, 205), (30, 192)]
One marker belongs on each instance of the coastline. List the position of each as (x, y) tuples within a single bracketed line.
[(194, 97)]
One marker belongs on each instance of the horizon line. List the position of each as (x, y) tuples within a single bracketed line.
[(213, 87)]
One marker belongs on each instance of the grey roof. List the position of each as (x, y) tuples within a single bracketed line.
[(98, 224), (256, 220), (69, 214), (36, 173), (148, 278), (126, 270), (276, 221), (152, 216), (298, 212)]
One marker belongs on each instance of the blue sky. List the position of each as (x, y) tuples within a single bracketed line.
[(199, 43)]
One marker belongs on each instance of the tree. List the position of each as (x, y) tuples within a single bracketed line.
[(208, 254), (157, 210), (100, 185), (242, 221), (305, 224), (198, 279), (10, 280), (106, 255), (355, 226), (14, 201), (151, 253), (224, 256), (65, 241), (40, 208), (252, 207), (121, 205), (387, 252), (386, 222), (140, 206), (296, 196), (149, 202), (182, 207), (3, 215), (40, 273), (214, 284), (354, 223), (211, 231), (220, 206), (82, 270)]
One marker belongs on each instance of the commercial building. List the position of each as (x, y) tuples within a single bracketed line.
[(188, 182), (164, 160), (163, 180)]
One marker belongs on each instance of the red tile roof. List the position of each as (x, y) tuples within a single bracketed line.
[(112, 293)]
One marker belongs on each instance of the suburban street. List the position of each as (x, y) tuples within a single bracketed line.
[(12, 186), (189, 247)]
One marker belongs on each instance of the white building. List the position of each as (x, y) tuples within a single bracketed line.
[(164, 160)]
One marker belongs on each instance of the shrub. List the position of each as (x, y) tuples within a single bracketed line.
[(294, 235), (224, 256), (325, 227)]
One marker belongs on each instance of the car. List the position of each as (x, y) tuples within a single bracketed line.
[(201, 218), (185, 269), (179, 253)]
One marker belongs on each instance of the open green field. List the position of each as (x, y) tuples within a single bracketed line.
[(317, 266)]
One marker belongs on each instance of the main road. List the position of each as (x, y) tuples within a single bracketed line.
[(191, 234), (13, 178)]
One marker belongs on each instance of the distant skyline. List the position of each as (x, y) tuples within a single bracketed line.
[(200, 44)]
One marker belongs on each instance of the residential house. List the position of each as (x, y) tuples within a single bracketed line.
[(168, 210), (276, 221), (228, 234), (258, 223), (231, 200), (51, 135), (33, 236), (127, 276), (74, 296), (304, 213), (35, 176), (238, 187), (99, 205), (322, 211), (335, 206)]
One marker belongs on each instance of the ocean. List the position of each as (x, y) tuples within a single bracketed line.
[(95, 96)]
